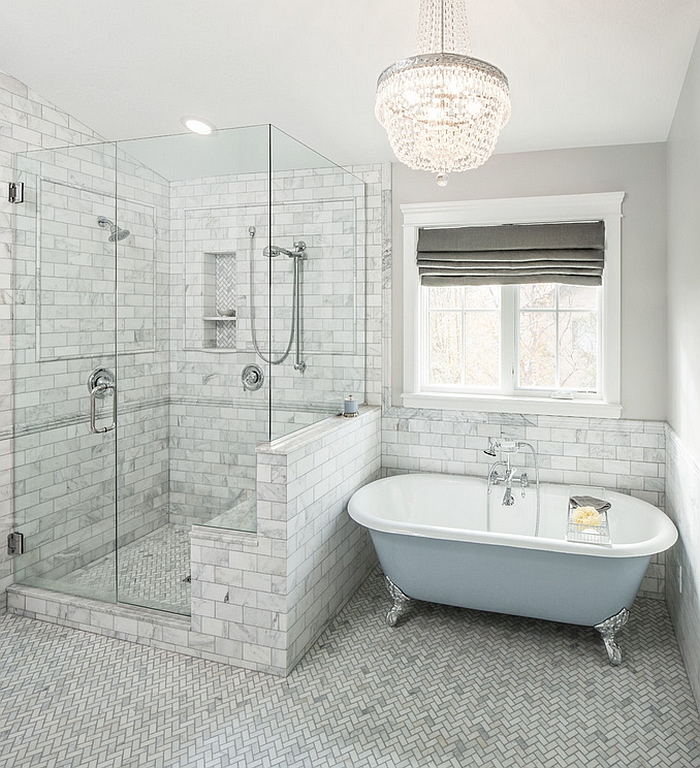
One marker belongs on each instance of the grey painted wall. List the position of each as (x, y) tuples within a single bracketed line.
[(683, 150), (683, 365), (640, 171)]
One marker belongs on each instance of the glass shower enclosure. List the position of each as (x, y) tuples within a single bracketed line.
[(179, 299)]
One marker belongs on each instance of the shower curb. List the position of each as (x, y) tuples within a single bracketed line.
[(144, 626)]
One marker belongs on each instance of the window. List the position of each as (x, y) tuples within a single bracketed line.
[(529, 348), (461, 338), (558, 341), (553, 347)]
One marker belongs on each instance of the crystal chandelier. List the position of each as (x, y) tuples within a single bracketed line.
[(442, 109)]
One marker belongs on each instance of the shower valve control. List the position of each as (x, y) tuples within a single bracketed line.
[(252, 377), (100, 381)]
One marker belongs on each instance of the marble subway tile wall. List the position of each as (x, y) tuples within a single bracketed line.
[(65, 492), (329, 210), (143, 491), (624, 455), (27, 121), (64, 501), (379, 254), (328, 554), (683, 560), (211, 218), (212, 460)]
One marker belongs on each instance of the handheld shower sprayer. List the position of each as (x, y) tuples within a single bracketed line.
[(275, 250), (298, 255), (504, 446)]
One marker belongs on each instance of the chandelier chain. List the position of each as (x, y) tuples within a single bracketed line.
[(442, 28)]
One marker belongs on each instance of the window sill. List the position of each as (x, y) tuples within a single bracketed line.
[(498, 404)]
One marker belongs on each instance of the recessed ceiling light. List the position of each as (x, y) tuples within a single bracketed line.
[(197, 125)]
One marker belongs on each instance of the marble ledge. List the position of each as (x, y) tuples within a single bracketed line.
[(227, 536), (528, 420), (317, 431)]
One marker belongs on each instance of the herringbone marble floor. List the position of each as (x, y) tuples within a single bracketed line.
[(446, 687), (152, 571)]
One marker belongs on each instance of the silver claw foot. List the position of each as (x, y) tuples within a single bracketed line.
[(400, 602), (607, 630)]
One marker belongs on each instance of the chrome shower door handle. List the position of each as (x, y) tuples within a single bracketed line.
[(101, 383), (97, 391)]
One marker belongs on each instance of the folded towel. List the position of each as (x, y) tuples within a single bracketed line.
[(590, 501)]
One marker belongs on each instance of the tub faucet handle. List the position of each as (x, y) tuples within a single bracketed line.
[(524, 483)]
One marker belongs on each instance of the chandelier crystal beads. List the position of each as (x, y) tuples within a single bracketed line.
[(442, 109)]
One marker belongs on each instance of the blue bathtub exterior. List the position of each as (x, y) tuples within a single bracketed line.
[(564, 587)]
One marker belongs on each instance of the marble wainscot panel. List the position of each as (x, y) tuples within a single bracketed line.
[(683, 561)]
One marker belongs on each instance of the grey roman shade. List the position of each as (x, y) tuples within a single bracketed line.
[(570, 253)]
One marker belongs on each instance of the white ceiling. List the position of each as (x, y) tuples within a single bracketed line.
[(582, 72)]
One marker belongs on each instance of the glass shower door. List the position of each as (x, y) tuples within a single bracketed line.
[(64, 358)]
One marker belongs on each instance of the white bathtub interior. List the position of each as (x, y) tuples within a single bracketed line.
[(460, 509)]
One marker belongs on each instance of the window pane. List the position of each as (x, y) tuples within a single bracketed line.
[(445, 348), (538, 349), (445, 298), (578, 296), (578, 350), (482, 349), (537, 296), (482, 296)]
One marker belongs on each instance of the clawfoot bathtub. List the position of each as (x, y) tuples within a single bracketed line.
[(438, 541)]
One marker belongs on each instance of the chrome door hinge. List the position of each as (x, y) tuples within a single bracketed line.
[(15, 543), (15, 192)]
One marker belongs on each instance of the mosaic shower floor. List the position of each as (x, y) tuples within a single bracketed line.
[(445, 688), (152, 571)]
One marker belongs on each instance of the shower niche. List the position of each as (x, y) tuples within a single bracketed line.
[(211, 291), (219, 300), (216, 254)]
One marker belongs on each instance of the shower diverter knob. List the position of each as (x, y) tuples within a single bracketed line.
[(252, 377)]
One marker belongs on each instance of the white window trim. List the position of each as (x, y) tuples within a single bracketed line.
[(606, 206)]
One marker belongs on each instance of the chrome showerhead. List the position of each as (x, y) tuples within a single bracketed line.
[(115, 233)]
